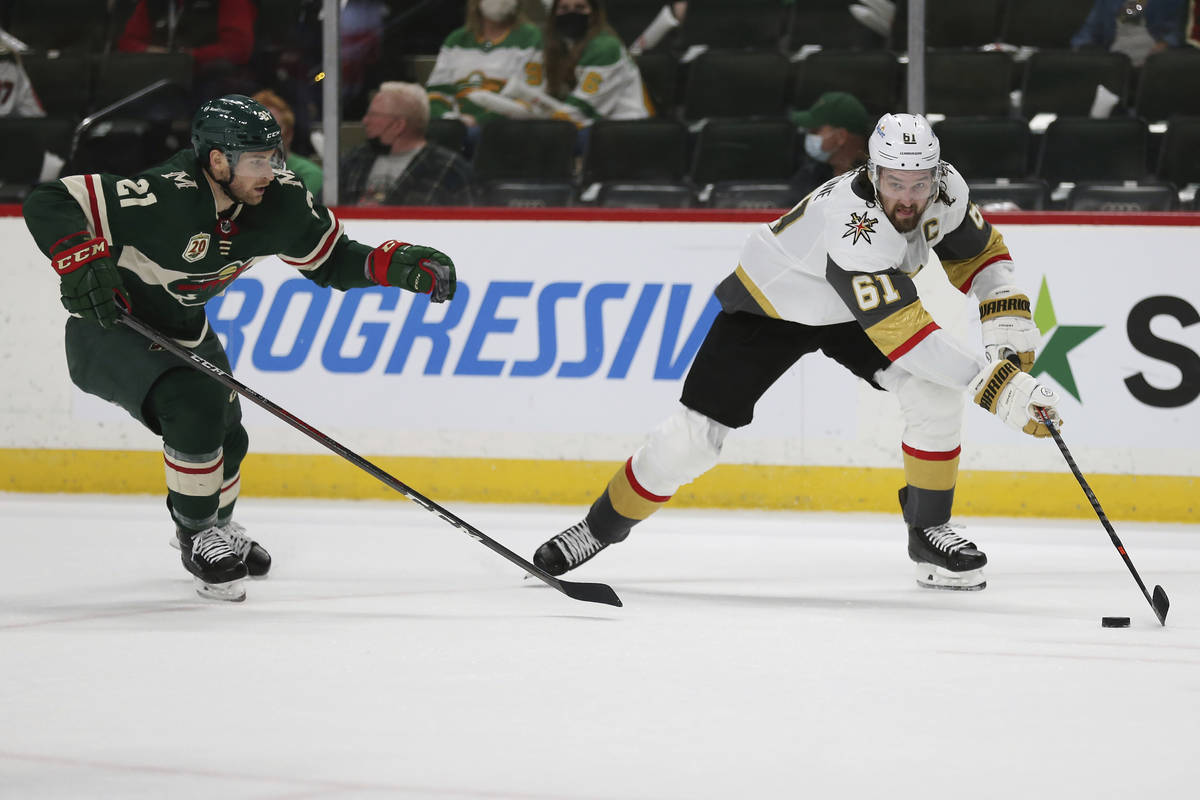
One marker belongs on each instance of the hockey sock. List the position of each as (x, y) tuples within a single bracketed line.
[(927, 499), (624, 503), (237, 442), (189, 409)]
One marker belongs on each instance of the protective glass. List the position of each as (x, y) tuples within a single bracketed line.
[(257, 165)]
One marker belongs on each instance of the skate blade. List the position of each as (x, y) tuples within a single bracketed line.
[(231, 592), (930, 576)]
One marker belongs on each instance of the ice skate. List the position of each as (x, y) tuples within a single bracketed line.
[(253, 554), (568, 550), (217, 571), (945, 560)]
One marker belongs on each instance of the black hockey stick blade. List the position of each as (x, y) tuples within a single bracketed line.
[(597, 593), (1160, 604)]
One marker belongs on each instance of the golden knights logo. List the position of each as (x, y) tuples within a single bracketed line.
[(196, 290), (197, 248), (860, 226)]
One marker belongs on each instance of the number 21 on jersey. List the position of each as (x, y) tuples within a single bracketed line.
[(135, 192)]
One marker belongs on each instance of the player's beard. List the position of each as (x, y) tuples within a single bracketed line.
[(908, 224), (246, 195)]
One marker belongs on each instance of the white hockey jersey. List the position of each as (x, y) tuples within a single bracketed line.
[(17, 98), (836, 257), (608, 84), (466, 64)]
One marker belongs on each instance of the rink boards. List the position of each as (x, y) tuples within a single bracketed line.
[(568, 342)]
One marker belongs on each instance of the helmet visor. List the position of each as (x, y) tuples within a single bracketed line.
[(256, 165), (906, 186)]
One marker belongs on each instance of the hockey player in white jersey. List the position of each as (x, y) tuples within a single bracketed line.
[(835, 274)]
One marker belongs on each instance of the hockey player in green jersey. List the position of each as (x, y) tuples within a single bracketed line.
[(162, 243)]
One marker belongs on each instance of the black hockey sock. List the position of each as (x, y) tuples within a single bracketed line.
[(605, 523), (925, 508)]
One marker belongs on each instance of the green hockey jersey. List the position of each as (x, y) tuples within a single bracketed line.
[(607, 82), (465, 64), (175, 252)]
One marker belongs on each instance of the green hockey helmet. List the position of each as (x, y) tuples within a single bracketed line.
[(235, 124)]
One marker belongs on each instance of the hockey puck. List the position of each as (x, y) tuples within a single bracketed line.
[(1114, 622)]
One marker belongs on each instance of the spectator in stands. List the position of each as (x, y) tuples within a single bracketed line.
[(396, 165), (836, 130), (876, 15), (362, 30), (484, 55), (1136, 28), (218, 34), (668, 19), (17, 98), (582, 74), (1191, 30), (535, 10), (306, 170)]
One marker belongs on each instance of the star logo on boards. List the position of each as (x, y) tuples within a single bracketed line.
[(1052, 360), (860, 226)]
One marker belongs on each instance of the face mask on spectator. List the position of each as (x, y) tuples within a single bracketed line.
[(378, 146), (498, 10), (572, 25), (813, 146)]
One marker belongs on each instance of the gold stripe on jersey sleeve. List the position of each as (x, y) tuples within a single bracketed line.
[(756, 293), (961, 271), (934, 475), (892, 332)]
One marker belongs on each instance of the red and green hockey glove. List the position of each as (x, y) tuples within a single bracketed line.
[(410, 266), (89, 282)]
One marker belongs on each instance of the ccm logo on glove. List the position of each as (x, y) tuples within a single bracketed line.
[(77, 256)]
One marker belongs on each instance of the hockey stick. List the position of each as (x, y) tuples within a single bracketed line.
[(588, 592), (1159, 601)]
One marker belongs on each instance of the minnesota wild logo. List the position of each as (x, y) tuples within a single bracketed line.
[(195, 290), (1052, 360), (860, 226)]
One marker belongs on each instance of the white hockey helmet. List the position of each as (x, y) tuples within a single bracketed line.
[(905, 142)]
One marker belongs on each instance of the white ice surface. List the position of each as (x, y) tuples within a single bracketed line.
[(758, 655)]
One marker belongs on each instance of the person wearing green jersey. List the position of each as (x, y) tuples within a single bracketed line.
[(583, 72), (161, 244), (483, 55)]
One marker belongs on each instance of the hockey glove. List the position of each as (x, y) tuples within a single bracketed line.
[(1015, 397), (1008, 326), (410, 266), (90, 284)]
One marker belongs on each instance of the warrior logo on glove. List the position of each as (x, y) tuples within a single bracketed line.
[(413, 267)]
